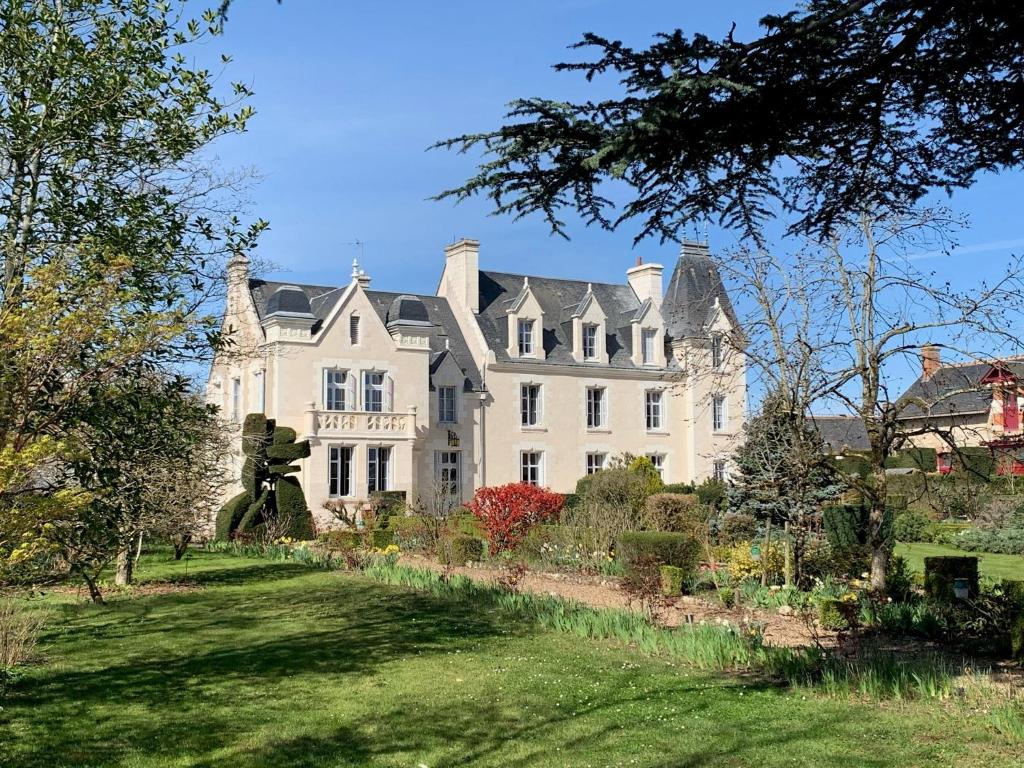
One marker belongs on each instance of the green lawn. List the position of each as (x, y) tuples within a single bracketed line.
[(274, 664), (992, 565)]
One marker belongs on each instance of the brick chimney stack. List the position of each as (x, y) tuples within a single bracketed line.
[(930, 361)]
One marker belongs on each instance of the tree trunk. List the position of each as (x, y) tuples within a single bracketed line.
[(181, 545), (787, 545), (879, 545), (764, 552), (94, 591), (138, 548), (125, 568)]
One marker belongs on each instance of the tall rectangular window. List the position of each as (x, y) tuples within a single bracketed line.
[(339, 471), (718, 470), (353, 330), (447, 467), (530, 404), (334, 389), (531, 469), (718, 414), (596, 414), (258, 379), (658, 460), (653, 409), (647, 337), (236, 400), (378, 468), (589, 341), (446, 405), (595, 462), (373, 391), (716, 351), (526, 337)]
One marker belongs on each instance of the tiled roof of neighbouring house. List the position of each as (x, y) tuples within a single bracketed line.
[(954, 389), (842, 433)]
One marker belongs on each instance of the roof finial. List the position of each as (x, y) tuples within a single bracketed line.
[(447, 344), (526, 281), (355, 268), (590, 287)]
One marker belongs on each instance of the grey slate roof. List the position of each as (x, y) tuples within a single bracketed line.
[(558, 299), (841, 433), (288, 300), (692, 290), (388, 306), (955, 389), (445, 334)]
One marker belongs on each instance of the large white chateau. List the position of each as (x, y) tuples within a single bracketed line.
[(498, 378)]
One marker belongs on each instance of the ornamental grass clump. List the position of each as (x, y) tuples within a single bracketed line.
[(19, 633)]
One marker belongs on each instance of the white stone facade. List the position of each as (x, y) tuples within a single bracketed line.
[(496, 379)]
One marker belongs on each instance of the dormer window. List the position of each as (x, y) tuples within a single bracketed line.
[(526, 342), (589, 341), (647, 339)]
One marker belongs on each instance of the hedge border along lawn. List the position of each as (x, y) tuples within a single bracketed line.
[(991, 565), (274, 663)]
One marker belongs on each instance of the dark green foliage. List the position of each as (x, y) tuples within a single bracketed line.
[(1005, 541), (833, 615), (910, 526), (283, 436), (940, 573), (899, 581), (256, 433), (976, 463), (712, 493), (853, 464), (283, 469), (459, 549), (252, 479), (291, 506), (737, 528), (672, 578), (385, 505), (340, 539), (253, 516), (676, 549), (845, 526), (289, 452), (923, 459), (230, 515), (381, 537), (678, 513), (1017, 638), (572, 500)]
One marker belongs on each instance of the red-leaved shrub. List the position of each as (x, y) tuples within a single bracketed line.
[(508, 512)]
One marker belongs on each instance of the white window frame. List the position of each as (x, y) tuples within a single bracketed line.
[(535, 468), (339, 387), (236, 399), (658, 461), (538, 405), (525, 333), (589, 341), (719, 470), (447, 412), (595, 462), (369, 388), (717, 349), (259, 383), (597, 409), (647, 340), (336, 461), (719, 413), (374, 478), (654, 410), (454, 487)]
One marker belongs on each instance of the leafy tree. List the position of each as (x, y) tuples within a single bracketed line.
[(781, 475), (838, 107)]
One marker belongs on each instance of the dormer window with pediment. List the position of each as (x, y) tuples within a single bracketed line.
[(648, 336), (525, 325), (588, 330)]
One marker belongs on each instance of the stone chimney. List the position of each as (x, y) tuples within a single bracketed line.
[(238, 270), (645, 280), (462, 273), (930, 361)]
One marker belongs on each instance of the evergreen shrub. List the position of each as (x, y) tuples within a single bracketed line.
[(941, 572), (291, 506), (672, 578), (230, 515), (676, 549)]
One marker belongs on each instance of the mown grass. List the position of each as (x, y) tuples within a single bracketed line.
[(279, 664), (992, 565)]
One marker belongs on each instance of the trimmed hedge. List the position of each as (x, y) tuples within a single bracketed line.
[(341, 539), (230, 515), (381, 537), (253, 516), (257, 431), (459, 550), (676, 549), (1003, 541), (853, 464), (288, 452), (675, 512), (291, 503), (976, 462), (284, 435), (672, 579), (924, 459), (940, 573)]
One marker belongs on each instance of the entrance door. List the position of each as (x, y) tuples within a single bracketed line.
[(447, 466)]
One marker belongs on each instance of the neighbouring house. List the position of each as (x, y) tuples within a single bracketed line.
[(972, 405), (498, 378), (842, 434)]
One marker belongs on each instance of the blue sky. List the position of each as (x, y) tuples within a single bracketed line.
[(350, 94)]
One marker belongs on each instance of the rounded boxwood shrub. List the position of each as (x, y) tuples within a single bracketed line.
[(381, 537), (832, 615), (341, 539), (676, 513), (910, 526), (460, 549), (658, 547), (672, 579)]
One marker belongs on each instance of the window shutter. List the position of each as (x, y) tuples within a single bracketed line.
[(323, 388), (353, 330), (351, 386), (389, 392)]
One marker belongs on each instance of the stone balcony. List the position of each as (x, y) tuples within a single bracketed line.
[(360, 424)]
